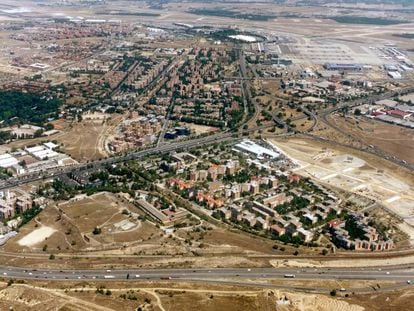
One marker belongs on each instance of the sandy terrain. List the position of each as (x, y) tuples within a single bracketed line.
[(393, 139), (86, 140), (200, 129), (163, 297), (372, 262), (36, 236)]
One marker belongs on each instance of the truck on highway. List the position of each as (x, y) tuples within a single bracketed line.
[(289, 276), (165, 278), (109, 277)]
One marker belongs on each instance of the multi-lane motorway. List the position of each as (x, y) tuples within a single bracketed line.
[(402, 275)]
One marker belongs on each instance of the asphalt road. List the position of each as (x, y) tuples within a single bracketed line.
[(133, 155), (381, 274)]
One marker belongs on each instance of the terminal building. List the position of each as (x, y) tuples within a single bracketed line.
[(342, 67)]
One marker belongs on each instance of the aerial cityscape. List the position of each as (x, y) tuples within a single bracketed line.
[(206, 155)]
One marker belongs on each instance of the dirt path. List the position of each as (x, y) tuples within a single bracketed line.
[(67, 299), (152, 293)]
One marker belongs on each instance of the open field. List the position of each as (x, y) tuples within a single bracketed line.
[(393, 139), (83, 141), (86, 140), (191, 296), (199, 129), (69, 226), (36, 236)]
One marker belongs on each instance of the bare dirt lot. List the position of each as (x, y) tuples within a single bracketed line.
[(187, 296), (393, 139), (70, 226), (86, 140), (199, 129), (83, 141)]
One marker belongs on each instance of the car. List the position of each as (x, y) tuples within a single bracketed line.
[(249, 270), (137, 275), (4, 273), (30, 273), (408, 281), (387, 273)]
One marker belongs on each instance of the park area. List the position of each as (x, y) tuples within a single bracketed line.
[(98, 222)]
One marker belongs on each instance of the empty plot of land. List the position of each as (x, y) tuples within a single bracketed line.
[(36, 236), (200, 129), (393, 139), (86, 140)]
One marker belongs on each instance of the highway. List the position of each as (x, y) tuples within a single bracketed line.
[(390, 274), (401, 275), (24, 179)]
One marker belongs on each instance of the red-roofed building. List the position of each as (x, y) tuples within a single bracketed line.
[(399, 114), (377, 113), (276, 230), (335, 223), (293, 178)]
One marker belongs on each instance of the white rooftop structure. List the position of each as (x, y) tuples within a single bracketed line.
[(252, 148), (7, 160), (46, 153), (244, 38), (34, 149), (387, 102), (50, 145), (304, 232), (394, 74), (42, 152), (311, 217)]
